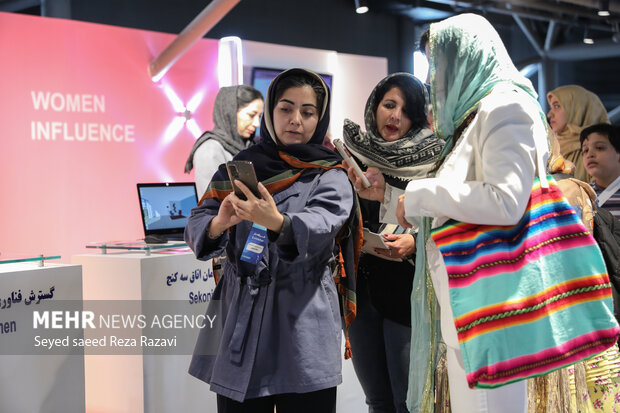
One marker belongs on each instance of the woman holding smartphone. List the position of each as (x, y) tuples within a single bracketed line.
[(400, 144), (280, 344)]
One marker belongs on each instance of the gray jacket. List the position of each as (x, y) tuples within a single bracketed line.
[(282, 325)]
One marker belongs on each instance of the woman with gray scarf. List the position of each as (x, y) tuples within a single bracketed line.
[(400, 144), (236, 116)]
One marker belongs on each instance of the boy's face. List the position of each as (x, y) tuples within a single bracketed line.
[(600, 157)]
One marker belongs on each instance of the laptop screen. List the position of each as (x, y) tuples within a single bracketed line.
[(165, 207)]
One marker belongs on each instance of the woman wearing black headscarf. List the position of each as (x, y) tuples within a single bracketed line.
[(281, 336)]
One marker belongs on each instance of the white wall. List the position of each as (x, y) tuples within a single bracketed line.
[(354, 76)]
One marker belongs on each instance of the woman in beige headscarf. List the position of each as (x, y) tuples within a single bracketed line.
[(573, 108)]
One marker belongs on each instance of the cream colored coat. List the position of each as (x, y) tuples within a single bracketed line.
[(487, 179)]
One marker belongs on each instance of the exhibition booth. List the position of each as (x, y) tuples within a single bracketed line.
[(83, 124)]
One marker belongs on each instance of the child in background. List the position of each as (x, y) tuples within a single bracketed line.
[(600, 145)]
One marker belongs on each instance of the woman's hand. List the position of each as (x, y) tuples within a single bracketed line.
[(400, 213), (376, 192), (400, 245), (225, 218), (262, 211)]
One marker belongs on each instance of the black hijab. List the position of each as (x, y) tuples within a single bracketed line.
[(267, 155)]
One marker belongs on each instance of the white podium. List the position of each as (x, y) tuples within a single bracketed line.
[(134, 383), (30, 379), (155, 383)]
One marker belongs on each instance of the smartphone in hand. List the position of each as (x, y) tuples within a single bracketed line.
[(244, 172), (347, 157)]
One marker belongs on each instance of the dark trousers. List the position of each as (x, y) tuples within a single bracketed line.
[(321, 401), (380, 356)]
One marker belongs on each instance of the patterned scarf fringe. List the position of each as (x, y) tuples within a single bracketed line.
[(549, 393), (442, 389)]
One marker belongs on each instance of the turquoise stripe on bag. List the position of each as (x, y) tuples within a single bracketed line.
[(479, 297), (539, 302)]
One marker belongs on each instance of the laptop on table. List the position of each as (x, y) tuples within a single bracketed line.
[(165, 208)]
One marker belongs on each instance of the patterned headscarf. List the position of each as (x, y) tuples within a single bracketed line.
[(467, 60), (406, 158)]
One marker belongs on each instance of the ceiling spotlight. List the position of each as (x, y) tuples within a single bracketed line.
[(587, 39), (361, 6), (603, 8)]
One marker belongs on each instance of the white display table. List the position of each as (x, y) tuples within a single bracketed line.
[(30, 379), (152, 383), (134, 383)]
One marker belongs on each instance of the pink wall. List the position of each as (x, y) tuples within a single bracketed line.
[(65, 85)]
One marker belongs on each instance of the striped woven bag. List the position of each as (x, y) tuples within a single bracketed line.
[(530, 298)]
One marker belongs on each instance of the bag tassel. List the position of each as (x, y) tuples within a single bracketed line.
[(348, 354), (341, 270)]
